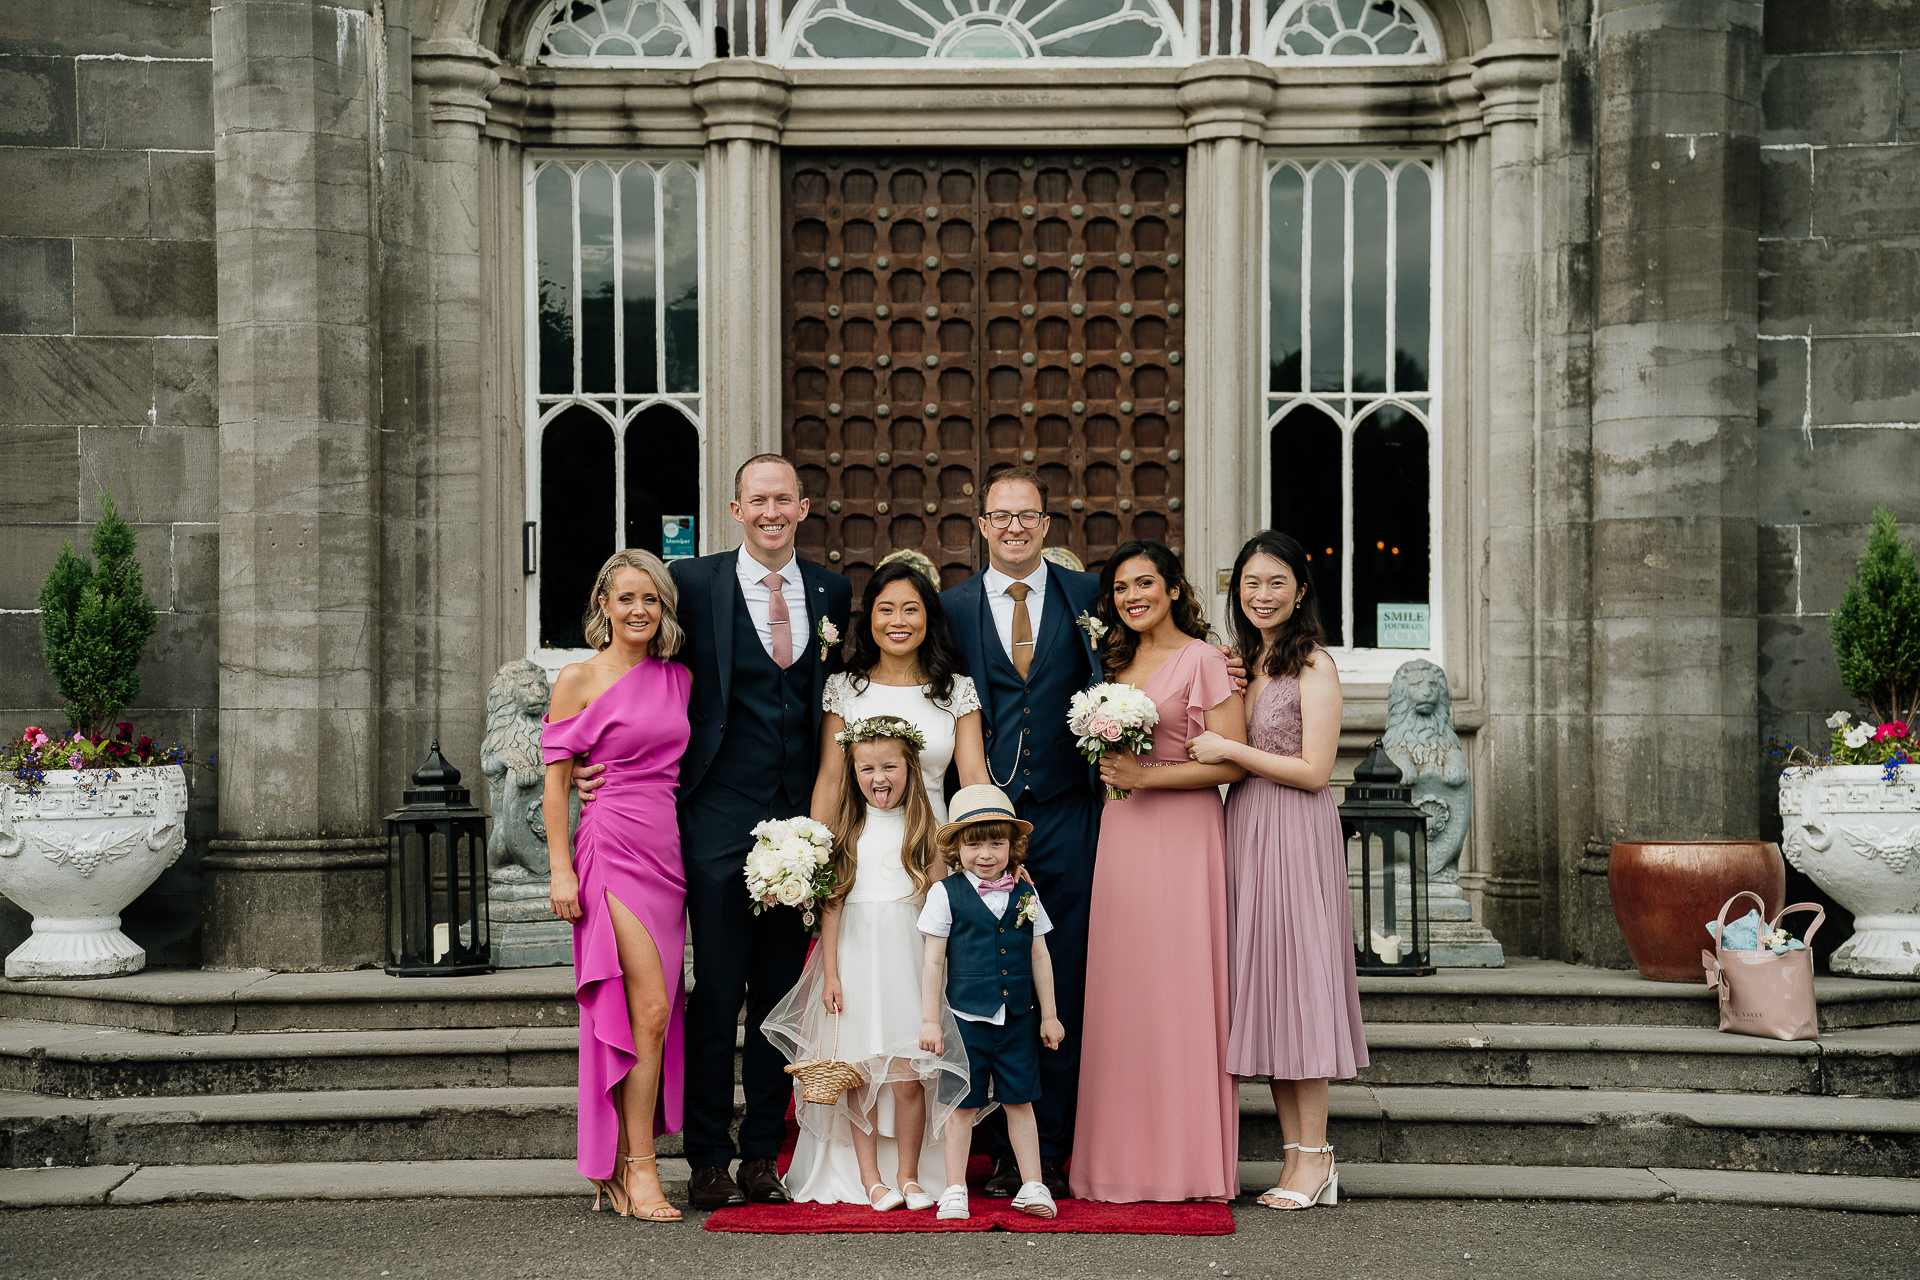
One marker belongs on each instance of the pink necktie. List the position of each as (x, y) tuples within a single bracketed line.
[(1003, 885), (778, 621)]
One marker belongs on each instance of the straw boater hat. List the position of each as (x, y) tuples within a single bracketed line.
[(980, 803)]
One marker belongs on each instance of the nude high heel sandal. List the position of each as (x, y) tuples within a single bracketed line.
[(653, 1210), (1328, 1194)]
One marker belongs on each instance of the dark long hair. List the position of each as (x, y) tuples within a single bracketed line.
[(939, 655), (1300, 634), (1122, 641)]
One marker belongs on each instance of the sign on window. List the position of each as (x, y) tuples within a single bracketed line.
[(676, 538), (1403, 626)]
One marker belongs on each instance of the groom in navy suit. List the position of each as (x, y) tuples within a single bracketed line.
[(1016, 626)]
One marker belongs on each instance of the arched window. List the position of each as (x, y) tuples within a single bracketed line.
[(965, 30), (598, 31), (1351, 406), (1376, 30), (615, 413)]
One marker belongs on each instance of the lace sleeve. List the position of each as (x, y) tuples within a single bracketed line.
[(965, 697), (838, 693)]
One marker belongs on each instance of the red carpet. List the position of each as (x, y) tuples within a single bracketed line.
[(1074, 1215)]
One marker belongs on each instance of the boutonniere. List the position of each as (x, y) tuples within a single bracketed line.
[(1096, 630), (828, 635), (1029, 909)]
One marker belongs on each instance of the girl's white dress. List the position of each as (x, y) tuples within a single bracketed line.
[(856, 700), (879, 962)]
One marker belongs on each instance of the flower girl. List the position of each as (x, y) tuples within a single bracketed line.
[(861, 990)]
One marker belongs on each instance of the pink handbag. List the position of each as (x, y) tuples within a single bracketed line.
[(1763, 994)]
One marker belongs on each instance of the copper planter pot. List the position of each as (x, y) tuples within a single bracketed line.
[(1665, 892)]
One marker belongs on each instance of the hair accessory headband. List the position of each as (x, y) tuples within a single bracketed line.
[(876, 727)]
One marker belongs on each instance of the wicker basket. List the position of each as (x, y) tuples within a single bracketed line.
[(823, 1080)]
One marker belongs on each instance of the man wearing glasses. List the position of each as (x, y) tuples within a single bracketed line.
[(1015, 625)]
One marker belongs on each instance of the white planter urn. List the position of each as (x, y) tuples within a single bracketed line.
[(76, 852), (1858, 838)]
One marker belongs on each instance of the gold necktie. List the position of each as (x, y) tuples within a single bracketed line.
[(1022, 629)]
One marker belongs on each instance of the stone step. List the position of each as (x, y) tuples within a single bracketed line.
[(1870, 1137), (92, 1062)]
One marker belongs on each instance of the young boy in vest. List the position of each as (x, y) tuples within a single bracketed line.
[(986, 952)]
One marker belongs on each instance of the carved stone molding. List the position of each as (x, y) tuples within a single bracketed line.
[(457, 75), (742, 99), (1226, 98), (1509, 76)]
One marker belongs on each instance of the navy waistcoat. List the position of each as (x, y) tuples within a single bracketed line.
[(767, 749), (1045, 758), (989, 958)]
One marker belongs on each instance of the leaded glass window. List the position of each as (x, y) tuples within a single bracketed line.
[(1378, 30), (1351, 413), (617, 384), (984, 29), (622, 30)]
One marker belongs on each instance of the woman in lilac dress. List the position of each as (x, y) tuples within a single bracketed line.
[(621, 882), (1295, 1000)]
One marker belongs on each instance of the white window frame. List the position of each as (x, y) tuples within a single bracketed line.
[(541, 408), (1179, 32), (1283, 18), (1367, 666), (699, 35)]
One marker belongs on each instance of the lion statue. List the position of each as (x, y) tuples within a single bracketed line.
[(1420, 739), (516, 775)]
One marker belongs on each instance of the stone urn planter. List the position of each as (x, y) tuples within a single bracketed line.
[(1665, 892), (76, 852), (1857, 836)]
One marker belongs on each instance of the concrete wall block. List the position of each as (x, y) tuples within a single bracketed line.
[(1841, 26), (39, 473), (1786, 192), (1841, 476), (37, 102), (73, 193), (287, 180), (1830, 558), (37, 547), (36, 285), (1673, 567), (1782, 384), (1669, 467), (1797, 669), (1672, 369), (293, 66), (154, 473), (186, 382), (136, 105), (196, 568), (1679, 180), (1867, 379), (180, 666), (1833, 99), (181, 207), (131, 28), (295, 277), (150, 287), (1839, 285), (1677, 776), (75, 381), (1866, 190), (1673, 666), (24, 681), (1684, 75), (1676, 274), (295, 373), (1778, 583), (1909, 123)]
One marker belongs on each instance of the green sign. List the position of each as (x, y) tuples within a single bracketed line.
[(676, 538), (1403, 626)]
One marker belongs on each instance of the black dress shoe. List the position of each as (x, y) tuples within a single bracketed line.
[(711, 1188), (1004, 1183), (762, 1182), (1055, 1177)]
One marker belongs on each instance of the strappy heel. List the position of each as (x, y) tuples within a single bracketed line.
[(1328, 1194), (649, 1212)]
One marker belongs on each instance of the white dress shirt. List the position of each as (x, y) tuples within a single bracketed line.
[(1001, 603), (936, 921), (751, 572)]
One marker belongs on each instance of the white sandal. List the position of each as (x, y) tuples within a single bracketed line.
[(892, 1200), (1328, 1194), (917, 1199)]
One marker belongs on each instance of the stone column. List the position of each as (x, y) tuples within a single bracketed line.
[(1677, 165), (744, 103), (297, 879), (1226, 102)]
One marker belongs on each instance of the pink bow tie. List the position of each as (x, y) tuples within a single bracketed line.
[(1003, 885)]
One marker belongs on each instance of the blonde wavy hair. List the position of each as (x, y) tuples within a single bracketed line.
[(667, 640)]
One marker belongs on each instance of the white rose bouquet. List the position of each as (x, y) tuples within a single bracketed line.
[(790, 865), (1112, 717)]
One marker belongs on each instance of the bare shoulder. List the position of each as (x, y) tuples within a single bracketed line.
[(577, 684), (1319, 674)]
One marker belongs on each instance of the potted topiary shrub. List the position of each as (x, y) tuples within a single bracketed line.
[(1851, 813), (91, 817)]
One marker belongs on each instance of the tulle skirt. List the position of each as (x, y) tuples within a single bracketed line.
[(879, 1033)]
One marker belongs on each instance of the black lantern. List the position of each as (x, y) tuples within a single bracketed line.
[(437, 878), (1391, 932)]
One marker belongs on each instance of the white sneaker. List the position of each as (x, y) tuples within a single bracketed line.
[(1034, 1198), (953, 1203)]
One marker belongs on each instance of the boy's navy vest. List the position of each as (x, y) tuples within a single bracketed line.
[(989, 958), (767, 720)]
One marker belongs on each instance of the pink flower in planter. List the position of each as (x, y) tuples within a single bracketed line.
[(1891, 731), (74, 761)]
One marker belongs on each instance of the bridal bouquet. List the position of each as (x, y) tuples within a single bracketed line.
[(790, 866), (1112, 717)]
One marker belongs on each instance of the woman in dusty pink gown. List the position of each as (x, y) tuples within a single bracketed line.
[(1296, 1001), (1159, 1117), (620, 879)]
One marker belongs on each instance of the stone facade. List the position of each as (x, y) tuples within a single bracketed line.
[(1678, 345)]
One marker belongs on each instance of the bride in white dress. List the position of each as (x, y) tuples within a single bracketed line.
[(900, 661)]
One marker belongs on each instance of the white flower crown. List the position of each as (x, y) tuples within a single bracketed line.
[(876, 727)]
